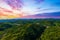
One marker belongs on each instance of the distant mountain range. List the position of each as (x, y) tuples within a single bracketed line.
[(55, 14), (45, 15)]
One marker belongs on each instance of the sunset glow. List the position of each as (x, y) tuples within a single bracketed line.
[(24, 8)]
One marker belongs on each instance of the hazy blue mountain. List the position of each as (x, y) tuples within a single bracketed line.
[(49, 14)]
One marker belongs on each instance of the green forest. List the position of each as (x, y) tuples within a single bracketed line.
[(30, 29)]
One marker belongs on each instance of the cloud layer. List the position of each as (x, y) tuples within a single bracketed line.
[(21, 8)]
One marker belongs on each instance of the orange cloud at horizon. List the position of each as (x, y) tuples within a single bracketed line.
[(7, 14)]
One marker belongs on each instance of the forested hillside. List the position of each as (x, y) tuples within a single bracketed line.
[(30, 29)]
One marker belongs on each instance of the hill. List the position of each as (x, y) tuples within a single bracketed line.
[(31, 29)]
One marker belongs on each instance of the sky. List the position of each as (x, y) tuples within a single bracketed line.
[(21, 8)]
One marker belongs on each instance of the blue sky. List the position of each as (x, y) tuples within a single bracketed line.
[(35, 6), (31, 7), (41, 6)]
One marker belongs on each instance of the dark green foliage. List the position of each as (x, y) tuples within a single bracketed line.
[(33, 29), (51, 33)]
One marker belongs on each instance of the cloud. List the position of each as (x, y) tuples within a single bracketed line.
[(19, 8)]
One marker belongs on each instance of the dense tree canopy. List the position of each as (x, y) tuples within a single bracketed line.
[(36, 29)]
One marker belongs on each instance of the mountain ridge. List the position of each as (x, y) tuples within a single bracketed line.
[(45, 15)]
